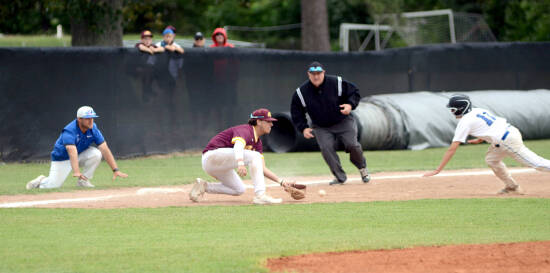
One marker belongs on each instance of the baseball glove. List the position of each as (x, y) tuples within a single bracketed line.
[(296, 191)]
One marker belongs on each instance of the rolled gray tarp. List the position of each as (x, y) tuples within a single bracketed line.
[(420, 120)]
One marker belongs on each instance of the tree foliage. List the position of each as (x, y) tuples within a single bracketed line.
[(510, 20)]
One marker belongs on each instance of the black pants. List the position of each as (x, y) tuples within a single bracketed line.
[(327, 138)]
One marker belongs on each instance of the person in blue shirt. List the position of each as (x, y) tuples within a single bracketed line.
[(72, 151)]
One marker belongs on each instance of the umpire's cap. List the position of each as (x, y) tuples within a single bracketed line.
[(262, 114), (315, 67)]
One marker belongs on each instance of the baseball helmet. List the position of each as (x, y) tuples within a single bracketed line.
[(459, 105)]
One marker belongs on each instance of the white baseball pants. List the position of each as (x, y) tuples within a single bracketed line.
[(221, 164), (513, 146), (88, 160)]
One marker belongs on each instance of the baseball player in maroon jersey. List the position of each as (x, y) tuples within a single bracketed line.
[(237, 148)]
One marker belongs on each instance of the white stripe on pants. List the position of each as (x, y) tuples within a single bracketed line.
[(88, 160), (221, 164), (513, 146)]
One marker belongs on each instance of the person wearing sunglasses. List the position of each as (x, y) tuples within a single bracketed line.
[(505, 140), (329, 100), (234, 149)]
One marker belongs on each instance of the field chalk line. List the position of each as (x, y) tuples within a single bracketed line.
[(144, 191)]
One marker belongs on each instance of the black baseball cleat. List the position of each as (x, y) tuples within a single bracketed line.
[(365, 176), (336, 182)]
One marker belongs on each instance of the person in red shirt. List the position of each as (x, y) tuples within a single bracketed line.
[(219, 36)]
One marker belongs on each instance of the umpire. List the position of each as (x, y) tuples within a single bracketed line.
[(329, 100)]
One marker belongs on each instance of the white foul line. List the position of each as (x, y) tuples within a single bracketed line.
[(143, 191)]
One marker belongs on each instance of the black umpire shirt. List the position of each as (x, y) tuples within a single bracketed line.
[(322, 103)]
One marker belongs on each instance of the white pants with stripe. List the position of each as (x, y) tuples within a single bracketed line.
[(88, 161), (513, 146), (221, 165)]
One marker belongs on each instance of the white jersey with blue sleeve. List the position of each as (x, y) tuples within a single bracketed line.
[(482, 124)]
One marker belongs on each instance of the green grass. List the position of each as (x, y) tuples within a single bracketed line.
[(52, 41), (34, 41), (239, 239), (177, 170)]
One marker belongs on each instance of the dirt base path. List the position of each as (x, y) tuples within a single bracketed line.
[(492, 258), (383, 187)]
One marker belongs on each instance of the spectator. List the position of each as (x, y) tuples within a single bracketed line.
[(146, 44), (168, 43), (219, 36), (199, 40)]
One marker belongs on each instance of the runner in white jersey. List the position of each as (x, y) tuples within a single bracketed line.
[(504, 138)]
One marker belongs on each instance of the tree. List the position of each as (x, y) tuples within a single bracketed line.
[(315, 36), (95, 22)]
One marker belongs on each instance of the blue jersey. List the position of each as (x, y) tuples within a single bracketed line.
[(72, 135)]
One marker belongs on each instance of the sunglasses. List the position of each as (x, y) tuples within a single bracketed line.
[(252, 116), (315, 69)]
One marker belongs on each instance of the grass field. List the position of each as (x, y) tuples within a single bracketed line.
[(240, 238), (52, 41)]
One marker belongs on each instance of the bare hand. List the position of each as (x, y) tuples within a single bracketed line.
[(475, 141), (120, 174), (308, 133), (241, 170), (80, 176), (432, 173), (345, 109)]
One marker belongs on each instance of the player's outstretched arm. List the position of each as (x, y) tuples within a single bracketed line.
[(110, 159), (446, 158), (269, 174)]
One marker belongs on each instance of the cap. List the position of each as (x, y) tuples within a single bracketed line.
[(198, 35), (86, 112), (262, 114), (168, 31), (146, 33), (315, 67)]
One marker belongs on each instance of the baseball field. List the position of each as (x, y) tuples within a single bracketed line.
[(400, 222)]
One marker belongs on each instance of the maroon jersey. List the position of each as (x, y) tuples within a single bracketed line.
[(227, 138)]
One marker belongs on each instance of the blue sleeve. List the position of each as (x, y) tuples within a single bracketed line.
[(68, 138), (98, 137)]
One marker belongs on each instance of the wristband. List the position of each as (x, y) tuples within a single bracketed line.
[(240, 163), (115, 170)]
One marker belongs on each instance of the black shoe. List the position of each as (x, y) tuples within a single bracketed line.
[(336, 182), (365, 176)]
